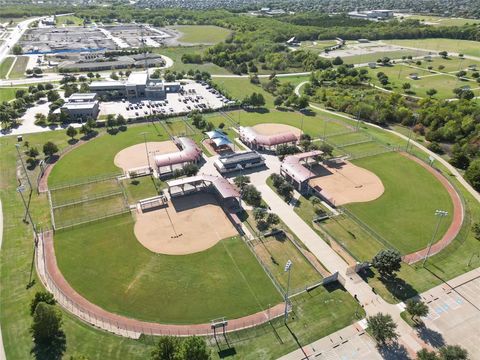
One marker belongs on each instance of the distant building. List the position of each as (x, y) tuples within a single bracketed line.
[(372, 14), (81, 106), (49, 21), (414, 76), (138, 85), (372, 65), (95, 61), (363, 41), (293, 42)]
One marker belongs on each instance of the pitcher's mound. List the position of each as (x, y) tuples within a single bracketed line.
[(189, 224), (136, 156)]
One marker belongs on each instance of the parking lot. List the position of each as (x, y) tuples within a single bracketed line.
[(194, 96), (454, 316)]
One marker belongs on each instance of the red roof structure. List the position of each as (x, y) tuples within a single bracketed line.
[(224, 188), (249, 135), (190, 153), (292, 165)]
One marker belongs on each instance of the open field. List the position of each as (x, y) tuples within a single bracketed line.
[(466, 47), (141, 188), (68, 20), (175, 53), (373, 57), (407, 206), (440, 20), (452, 64), (18, 70), (7, 94), (317, 46), (106, 264), (399, 74), (73, 193), (202, 34), (5, 66)]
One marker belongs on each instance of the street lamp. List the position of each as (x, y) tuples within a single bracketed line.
[(440, 214), (288, 268)]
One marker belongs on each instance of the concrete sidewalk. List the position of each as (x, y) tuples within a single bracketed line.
[(2, 349)]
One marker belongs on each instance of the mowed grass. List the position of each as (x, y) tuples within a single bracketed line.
[(202, 34), (86, 162), (86, 191), (106, 264), (399, 74), (317, 46), (7, 94), (175, 53), (450, 64), (140, 188), (68, 20), (275, 251), (18, 70), (442, 21), (466, 47), (374, 56), (5, 66), (404, 214)]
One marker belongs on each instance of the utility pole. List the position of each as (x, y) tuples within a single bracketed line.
[(288, 268), (415, 116), (27, 206), (440, 214)]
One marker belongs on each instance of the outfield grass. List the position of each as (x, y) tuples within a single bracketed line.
[(404, 214), (175, 53), (5, 66), (106, 264), (74, 193), (18, 70), (466, 47), (202, 34)]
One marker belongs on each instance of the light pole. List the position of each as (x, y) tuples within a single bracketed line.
[(440, 214), (415, 116), (288, 268), (17, 146), (146, 147)]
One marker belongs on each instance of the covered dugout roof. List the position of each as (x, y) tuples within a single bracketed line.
[(224, 188), (295, 169), (249, 135), (190, 152)]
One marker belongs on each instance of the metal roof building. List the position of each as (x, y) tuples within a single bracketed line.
[(294, 169), (255, 140), (189, 153)]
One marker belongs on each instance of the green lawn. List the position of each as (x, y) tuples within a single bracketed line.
[(317, 46), (450, 64), (442, 21), (202, 34), (466, 47), (106, 264), (69, 20), (68, 194), (18, 70), (404, 214), (239, 88), (141, 188), (7, 94), (399, 74), (294, 80), (5, 66), (374, 56), (175, 53), (315, 315)]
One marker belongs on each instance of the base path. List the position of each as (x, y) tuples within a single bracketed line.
[(75, 303), (454, 227)]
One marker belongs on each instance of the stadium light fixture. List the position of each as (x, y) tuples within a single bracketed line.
[(288, 268), (440, 214)]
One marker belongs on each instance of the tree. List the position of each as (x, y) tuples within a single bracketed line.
[(453, 352), (47, 323), (49, 148), (121, 121), (41, 296), (111, 121), (251, 195), (286, 190), (241, 181), (167, 348), (473, 174), (424, 354), (416, 308), (53, 96), (406, 86), (277, 180), (259, 214), (337, 61), (387, 262), (71, 132), (443, 54), (33, 152), (431, 92), (194, 347), (190, 169), (327, 149), (476, 230), (17, 50), (272, 219), (382, 327)]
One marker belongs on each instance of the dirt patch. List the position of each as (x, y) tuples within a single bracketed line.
[(273, 129), (198, 224), (344, 183), (135, 156)]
